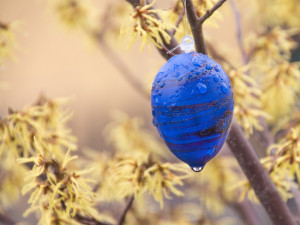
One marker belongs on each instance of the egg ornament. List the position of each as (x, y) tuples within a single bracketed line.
[(192, 107)]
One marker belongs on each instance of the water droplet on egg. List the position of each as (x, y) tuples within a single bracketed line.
[(177, 74), (175, 67), (159, 77), (153, 122), (179, 78), (208, 67), (162, 85), (196, 64), (216, 79), (202, 88), (197, 72), (217, 69), (224, 88), (197, 169)]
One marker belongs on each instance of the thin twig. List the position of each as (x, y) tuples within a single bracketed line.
[(268, 139), (89, 220), (210, 11), (134, 3), (239, 33), (179, 20), (258, 177), (126, 209), (121, 66)]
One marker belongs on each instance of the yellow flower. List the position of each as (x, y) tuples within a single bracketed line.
[(11, 180), (201, 6), (72, 13), (215, 184), (280, 86), (162, 179), (128, 137), (272, 46), (144, 24), (134, 176), (36, 130), (248, 118), (58, 192), (280, 12), (247, 99), (282, 163)]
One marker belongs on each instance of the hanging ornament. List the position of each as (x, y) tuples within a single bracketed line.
[(192, 105)]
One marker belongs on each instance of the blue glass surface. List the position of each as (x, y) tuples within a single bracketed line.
[(192, 107)]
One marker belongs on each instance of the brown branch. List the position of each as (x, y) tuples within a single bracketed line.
[(196, 27), (134, 3), (258, 177), (196, 23), (211, 11), (126, 209)]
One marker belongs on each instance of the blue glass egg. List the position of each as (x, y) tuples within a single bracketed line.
[(192, 107)]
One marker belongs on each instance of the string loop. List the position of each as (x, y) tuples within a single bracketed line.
[(187, 42)]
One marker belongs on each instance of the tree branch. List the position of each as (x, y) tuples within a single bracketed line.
[(196, 27), (134, 3), (126, 209), (211, 11), (121, 66), (268, 139), (89, 220), (259, 179), (239, 33)]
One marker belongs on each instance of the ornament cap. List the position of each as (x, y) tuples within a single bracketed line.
[(187, 44)]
